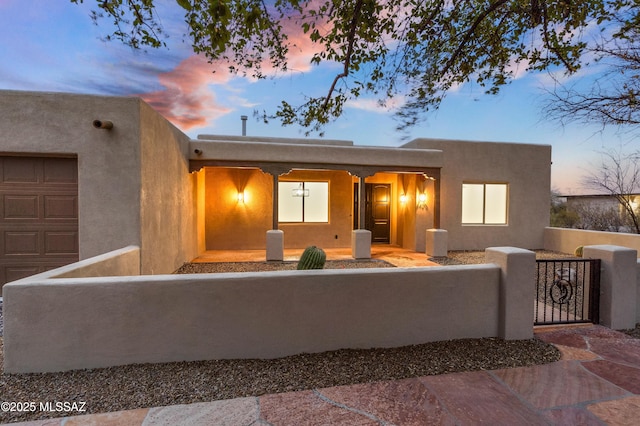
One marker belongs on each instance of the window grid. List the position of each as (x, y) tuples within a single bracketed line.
[(310, 207), (484, 203)]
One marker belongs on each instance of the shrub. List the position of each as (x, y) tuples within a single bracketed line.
[(578, 251)]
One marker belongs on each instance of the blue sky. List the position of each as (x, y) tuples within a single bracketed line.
[(52, 45)]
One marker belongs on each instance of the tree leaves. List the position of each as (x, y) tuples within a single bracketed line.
[(420, 49)]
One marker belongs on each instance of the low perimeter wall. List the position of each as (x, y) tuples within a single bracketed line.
[(566, 240), (72, 323)]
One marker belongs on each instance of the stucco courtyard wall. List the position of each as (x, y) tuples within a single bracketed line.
[(525, 168), (566, 240), (134, 187), (106, 321)]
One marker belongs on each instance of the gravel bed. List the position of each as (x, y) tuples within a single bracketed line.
[(217, 267), (151, 385)]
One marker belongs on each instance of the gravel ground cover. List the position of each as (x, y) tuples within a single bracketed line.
[(150, 385), (217, 267)]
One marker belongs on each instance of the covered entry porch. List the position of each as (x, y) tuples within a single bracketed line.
[(395, 255), (312, 193)]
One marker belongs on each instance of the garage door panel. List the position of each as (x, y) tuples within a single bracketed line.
[(61, 243), (60, 170), (21, 207), (21, 243), (60, 207), (38, 215), (12, 273), (20, 170)]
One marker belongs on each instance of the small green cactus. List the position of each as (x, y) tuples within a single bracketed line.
[(578, 251), (312, 258)]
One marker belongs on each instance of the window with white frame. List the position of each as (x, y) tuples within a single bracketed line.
[(303, 202), (484, 203)]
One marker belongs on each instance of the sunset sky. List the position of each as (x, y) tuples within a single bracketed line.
[(52, 45)]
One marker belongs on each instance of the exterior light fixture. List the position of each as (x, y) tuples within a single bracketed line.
[(403, 198), (300, 191), (422, 200)]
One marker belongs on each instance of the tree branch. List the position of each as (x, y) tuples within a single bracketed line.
[(347, 60)]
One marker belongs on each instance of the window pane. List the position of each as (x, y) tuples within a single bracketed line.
[(316, 205), (472, 203), (495, 204), (289, 207)]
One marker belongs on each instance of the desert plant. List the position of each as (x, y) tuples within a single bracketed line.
[(312, 258), (578, 251)]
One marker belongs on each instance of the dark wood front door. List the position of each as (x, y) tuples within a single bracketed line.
[(377, 211), (38, 215)]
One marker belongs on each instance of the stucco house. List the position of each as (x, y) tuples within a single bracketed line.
[(84, 175)]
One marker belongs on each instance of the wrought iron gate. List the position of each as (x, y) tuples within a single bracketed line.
[(567, 291)]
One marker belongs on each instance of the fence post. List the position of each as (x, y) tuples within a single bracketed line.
[(517, 290), (617, 285)]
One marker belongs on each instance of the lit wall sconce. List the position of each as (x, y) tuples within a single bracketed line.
[(240, 197), (403, 198), (422, 200)]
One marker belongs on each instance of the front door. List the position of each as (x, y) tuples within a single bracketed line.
[(377, 211)]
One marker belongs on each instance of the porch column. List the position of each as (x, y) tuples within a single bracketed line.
[(274, 215), (361, 202), (361, 238), (275, 237), (436, 201)]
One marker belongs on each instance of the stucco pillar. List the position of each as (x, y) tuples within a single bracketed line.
[(274, 214), (361, 244), (618, 285), (275, 245), (517, 290), (361, 203), (437, 242)]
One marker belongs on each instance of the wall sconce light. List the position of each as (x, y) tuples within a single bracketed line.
[(240, 197), (422, 200), (403, 198)]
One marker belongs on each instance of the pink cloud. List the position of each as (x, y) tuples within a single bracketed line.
[(186, 99)]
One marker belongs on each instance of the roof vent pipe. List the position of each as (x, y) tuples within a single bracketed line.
[(244, 124)]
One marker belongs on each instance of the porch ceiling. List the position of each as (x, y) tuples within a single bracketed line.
[(282, 157)]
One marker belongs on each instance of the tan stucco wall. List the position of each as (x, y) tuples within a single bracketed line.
[(232, 226), (527, 170), (336, 233), (168, 196), (108, 161), (134, 186), (567, 240), (100, 322)]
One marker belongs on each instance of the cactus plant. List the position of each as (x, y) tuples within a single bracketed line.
[(312, 258), (578, 251)]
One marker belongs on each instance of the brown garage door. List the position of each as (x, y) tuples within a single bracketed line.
[(38, 215)]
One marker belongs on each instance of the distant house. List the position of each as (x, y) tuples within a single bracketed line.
[(599, 201), (72, 189), (602, 212)]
